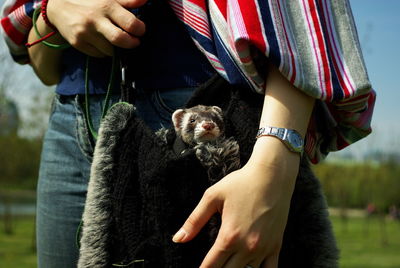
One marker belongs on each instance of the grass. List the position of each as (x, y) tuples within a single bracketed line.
[(17, 249), (360, 241), (367, 244)]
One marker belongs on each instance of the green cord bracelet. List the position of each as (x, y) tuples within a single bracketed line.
[(87, 106), (128, 264), (55, 46)]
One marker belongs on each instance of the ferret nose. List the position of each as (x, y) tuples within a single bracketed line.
[(208, 126)]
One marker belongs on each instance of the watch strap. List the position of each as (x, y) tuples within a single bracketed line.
[(285, 135)]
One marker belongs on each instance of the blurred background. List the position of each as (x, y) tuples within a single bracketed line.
[(362, 182)]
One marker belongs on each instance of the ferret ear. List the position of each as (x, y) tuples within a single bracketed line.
[(177, 119), (217, 109)]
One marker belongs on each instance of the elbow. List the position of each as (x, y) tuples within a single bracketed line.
[(45, 65), (49, 81), (48, 76)]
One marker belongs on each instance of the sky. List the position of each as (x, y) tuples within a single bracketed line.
[(378, 27)]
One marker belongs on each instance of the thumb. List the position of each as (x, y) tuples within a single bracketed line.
[(207, 207)]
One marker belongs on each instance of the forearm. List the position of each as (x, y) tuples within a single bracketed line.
[(44, 60), (284, 106)]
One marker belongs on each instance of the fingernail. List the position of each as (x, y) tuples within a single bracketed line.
[(179, 236)]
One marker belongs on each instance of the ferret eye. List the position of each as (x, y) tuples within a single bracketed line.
[(192, 120)]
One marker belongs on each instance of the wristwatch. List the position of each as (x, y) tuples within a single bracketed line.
[(290, 137)]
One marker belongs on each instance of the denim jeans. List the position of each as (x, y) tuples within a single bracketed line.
[(65, 167)]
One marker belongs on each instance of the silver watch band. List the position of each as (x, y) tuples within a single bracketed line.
[(290, 137), (278, 132)]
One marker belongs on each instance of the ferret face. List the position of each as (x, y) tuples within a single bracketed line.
[(198, 124)]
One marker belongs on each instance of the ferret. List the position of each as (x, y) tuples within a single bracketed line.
[(198, 124), (202, 128)]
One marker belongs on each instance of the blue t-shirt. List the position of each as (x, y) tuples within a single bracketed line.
[(168, 59)]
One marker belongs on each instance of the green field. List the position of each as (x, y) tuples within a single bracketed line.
[(17, 249), (361, 244), (364, 245)]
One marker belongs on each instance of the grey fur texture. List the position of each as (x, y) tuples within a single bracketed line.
[(162, 134), (96, 216), (219, 157), (308, 235)]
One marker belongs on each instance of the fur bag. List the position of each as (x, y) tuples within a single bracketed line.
[(140, 192)]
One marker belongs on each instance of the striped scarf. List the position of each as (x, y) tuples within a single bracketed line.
[(314, 44)]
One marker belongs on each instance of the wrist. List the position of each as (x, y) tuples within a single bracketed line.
[(44, 15), (269, 152), (276, 165), (44, 60), (274, 148), (290, 137), (44, 29)]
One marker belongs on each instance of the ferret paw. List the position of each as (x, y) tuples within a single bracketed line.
[(219, 157)]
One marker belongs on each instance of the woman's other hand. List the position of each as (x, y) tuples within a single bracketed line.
[(94, 26)]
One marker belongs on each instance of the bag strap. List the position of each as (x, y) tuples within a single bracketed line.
[(105, 107), (128, 71), (127, 85), (126, 57)]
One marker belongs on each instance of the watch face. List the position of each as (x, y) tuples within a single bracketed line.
[(295, 140)]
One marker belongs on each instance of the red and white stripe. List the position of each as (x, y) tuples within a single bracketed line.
[(289, 45), (317, 41), (192, 15), (346, 81)]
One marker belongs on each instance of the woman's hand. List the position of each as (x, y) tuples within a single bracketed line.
[(254, 203), (91, 26), (94, 26)]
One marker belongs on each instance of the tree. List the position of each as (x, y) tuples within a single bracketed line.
[(9, 117), (19, 84)]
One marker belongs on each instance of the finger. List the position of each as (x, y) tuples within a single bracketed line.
[(271, 262), (254, 264), (238, 261), (207, 207), (117, 36), (131, 3), (90, 50), (102, 45), (124, 19), (216, 257), (223, 248)]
